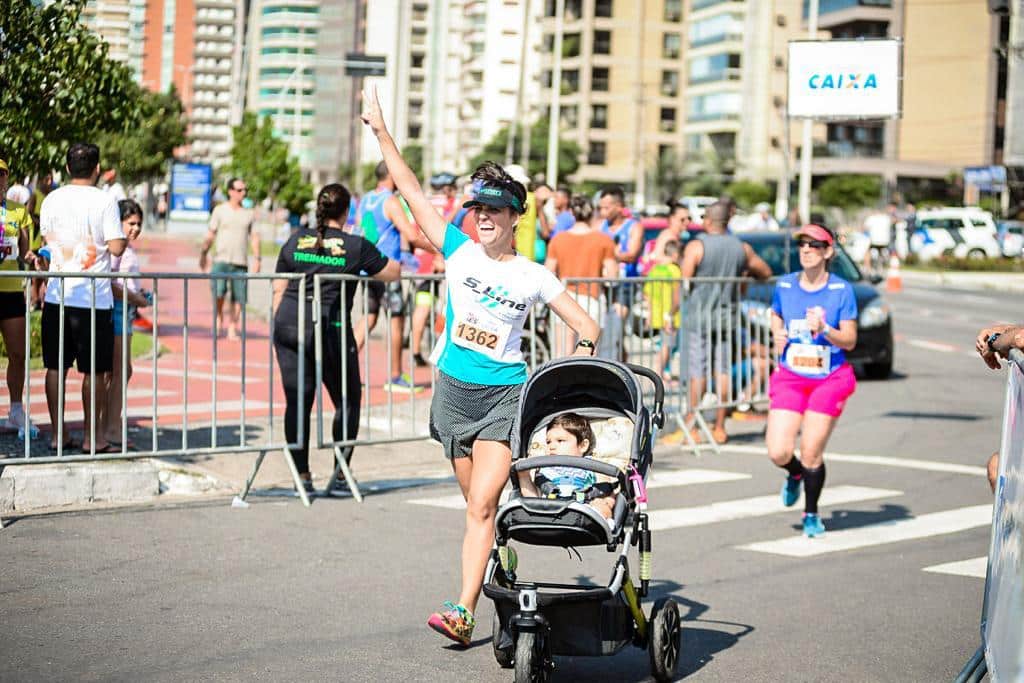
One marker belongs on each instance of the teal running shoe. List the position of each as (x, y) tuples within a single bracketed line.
[(813, 525), (791, 491)]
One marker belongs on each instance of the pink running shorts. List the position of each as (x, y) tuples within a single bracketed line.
[(790, 391)]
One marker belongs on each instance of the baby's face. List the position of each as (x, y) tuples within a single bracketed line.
[(561, 442)]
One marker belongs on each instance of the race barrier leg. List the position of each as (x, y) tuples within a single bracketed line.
[(975, 669), (341, 468)]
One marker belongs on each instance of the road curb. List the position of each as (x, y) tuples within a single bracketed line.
[(1004, 282), (24, 489)]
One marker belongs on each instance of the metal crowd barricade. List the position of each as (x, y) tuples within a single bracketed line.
[(1001, 653), (384, 417), (720, 328), (159, 444)]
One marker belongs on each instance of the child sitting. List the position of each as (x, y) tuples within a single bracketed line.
[(570, 434)]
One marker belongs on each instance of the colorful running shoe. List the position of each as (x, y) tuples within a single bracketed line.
[(402, 383), (455, 622), (791, 491), (813, 525)]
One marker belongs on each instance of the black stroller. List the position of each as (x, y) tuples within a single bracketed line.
[(534, 621)]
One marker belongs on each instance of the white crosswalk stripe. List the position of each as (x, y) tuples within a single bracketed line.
[(974, 567), (756, 507), (662, 479), (913, 528)]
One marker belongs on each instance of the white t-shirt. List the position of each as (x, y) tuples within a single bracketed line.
[(488, 304), (77, 221)]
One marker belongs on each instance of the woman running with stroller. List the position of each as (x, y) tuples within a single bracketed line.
[(491, 291), (814, 324)]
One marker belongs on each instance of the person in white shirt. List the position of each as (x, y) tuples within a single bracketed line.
[(111, 186), (81, 225), (762, 218)]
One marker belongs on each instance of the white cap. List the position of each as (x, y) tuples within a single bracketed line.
[(763, 206), (518, 174)]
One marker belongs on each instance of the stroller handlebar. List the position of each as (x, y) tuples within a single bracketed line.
[(659, 391), (567, 461)]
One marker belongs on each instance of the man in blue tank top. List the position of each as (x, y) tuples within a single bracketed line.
[(383, 222), (628, 235)]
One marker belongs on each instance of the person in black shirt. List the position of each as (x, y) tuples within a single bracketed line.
[(326, 250)]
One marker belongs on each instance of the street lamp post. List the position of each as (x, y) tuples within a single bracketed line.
[(806, 142), (556, 94)]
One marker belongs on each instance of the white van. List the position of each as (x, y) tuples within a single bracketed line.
[(965, 232)]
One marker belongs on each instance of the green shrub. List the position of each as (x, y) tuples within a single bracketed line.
[(980, 265), (748, 193), (850, 191)]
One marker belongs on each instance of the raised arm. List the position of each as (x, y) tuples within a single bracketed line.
[(432, 225)]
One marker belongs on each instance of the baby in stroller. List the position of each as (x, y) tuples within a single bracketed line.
[(571, 434)]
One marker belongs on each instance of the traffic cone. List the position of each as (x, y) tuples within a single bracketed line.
[(893, 279)]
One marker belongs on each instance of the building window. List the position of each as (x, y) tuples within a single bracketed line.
[(718, 67), (570, 116), (599, 116), (671, 45), (599, 79), (669, 83), (603, 8), (666, 154), (571, 45), (602, 42), (545, 78), (715, 106), (570, 81), (667, 120), (673, 10), (780, 63), (417, 61), (694, 142), (414, 132), (597, 153), (715, 29)]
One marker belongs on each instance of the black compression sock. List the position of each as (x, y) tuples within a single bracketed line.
[(795, 469), (814, 482)]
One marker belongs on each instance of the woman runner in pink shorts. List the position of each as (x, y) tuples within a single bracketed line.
[(814, 324)]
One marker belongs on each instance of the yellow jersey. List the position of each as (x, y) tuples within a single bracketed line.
[(13, 219)]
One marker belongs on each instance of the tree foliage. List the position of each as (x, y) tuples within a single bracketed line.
[(265, 164), (145, 152), (850, 191), (57, 85), (748, 193), (568, 151), (669, 177)]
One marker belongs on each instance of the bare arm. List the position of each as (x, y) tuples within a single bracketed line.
[(575, 317), (211, 235), (1010, 337), (551, 263), (692, 255), (635, 244), (390, 272), (117, 247), (756, 265), (609, 268), (254, 241), (845, 337), (779, 334), (279, 287), (432, 225), (393, 211)]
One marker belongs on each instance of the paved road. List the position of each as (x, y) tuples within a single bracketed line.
[(342, 591)]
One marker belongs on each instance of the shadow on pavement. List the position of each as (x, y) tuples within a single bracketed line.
[(853, 519)]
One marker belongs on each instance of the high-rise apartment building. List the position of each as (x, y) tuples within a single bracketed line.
[(453, 72), (196, 45), (296, 76), (121, 24)]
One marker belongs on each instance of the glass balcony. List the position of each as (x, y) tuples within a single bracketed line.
[(826, 6), (701, 4)]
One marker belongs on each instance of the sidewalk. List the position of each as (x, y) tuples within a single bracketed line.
[(978, 281)]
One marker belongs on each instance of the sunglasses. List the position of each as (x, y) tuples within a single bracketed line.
[(817, 244), (240, 189)]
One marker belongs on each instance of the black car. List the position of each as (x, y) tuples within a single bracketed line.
[(874, 351)]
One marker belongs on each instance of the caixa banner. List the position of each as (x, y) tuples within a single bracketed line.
[(845, 79)]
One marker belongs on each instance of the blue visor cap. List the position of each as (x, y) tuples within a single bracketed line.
[(496, 197)]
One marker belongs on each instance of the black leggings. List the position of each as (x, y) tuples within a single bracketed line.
[(286, 344)]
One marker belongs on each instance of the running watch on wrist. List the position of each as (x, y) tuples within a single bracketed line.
[(991, 340), (587, 344)]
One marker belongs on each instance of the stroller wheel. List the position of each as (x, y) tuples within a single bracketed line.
[(505, 656), (665, 639), (531, 658)]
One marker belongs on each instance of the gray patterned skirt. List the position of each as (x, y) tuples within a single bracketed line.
[(462, 412)]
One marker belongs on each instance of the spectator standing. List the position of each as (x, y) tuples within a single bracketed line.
[(383, 222), (762, 218), (15, 228), (82, 228), (658, 293), (711, 306), (230, 236), (580, 252), (111, 186), (628, 235), (564, 218), (128, 288), (654, 250)]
